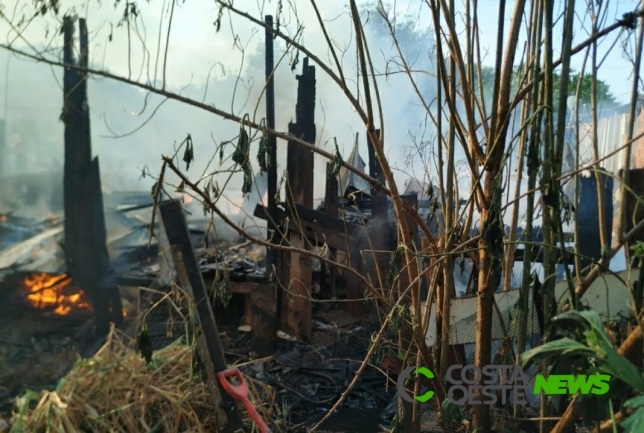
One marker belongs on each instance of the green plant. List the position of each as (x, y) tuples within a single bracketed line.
[(591, 351)]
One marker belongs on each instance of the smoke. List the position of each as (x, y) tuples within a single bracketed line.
[(131, 129)]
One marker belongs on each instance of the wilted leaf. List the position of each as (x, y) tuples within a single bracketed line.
[(262, 154), (240, 156), (188, 154), (144, 344)]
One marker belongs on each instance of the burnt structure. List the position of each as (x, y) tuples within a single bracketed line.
[(297, 275), (86, 254)]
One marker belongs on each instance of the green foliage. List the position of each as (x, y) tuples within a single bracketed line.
[(450, 413), (605, 98), (635, 422), (596, 345)]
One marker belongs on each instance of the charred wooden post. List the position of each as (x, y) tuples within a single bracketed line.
[(331, 208), (107, 291), (405, 337), (379, 234), (259, 312), (85, 239), (190, 278), (297, 277), (271, 224)]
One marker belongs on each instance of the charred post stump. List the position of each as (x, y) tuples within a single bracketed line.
[(190, 278), (86, 253), (297, 276)]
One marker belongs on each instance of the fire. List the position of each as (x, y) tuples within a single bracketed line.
[(47, 291), (3, 218)]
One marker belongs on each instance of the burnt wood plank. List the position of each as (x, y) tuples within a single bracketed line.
[(189, 275)]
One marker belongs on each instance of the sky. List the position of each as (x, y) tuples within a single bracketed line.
[(130, 130)]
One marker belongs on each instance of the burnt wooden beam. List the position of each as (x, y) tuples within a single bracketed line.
[(297, 269), (272, 255), (85, 235), (106, 290), (331, 208), (263, 307), (189, 275)]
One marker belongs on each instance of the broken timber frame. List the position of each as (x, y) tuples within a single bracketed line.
[(297, 270), (189, 275), (86, 253)]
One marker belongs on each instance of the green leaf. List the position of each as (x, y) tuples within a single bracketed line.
[(553, 348), (635, 401), (450, 413), (635, 422)]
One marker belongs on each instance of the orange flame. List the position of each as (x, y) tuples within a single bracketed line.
[(3, 218), (47, 291)]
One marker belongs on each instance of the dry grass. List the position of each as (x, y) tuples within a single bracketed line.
[(115, 391)]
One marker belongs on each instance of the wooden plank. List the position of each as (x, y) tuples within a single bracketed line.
[(189, 275), (296, 316), (17, 252), (263, 307)]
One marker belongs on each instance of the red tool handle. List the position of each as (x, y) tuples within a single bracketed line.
[(240, 393)]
